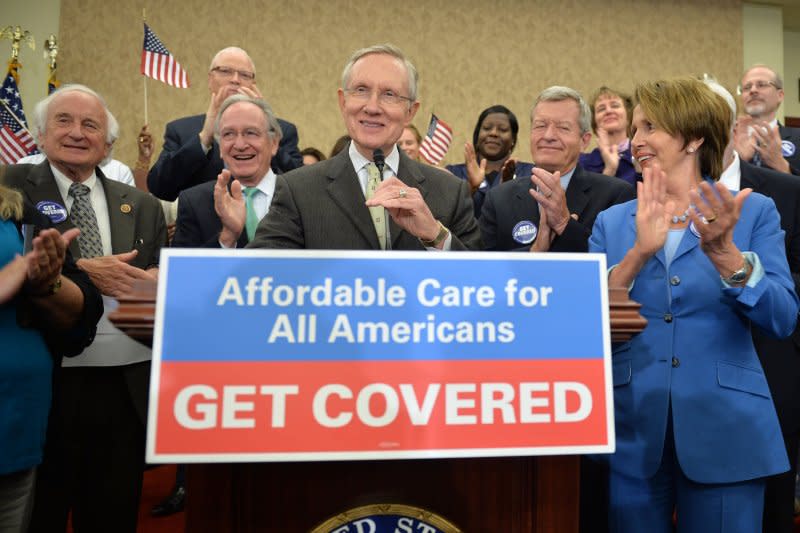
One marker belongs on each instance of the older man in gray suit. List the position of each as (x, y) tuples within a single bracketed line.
[(342, 203)]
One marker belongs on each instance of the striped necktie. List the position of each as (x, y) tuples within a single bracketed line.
[(84, 218)]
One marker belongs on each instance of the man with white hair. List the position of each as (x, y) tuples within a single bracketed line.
[(94, 454), (779, 358), (759, 137), (191, 155), (554, 209)]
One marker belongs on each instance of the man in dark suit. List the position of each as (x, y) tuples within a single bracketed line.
[(554, 209), (759, 138), (341, 203), (190, 155), (94, 455), (779, 358), (216, 213)]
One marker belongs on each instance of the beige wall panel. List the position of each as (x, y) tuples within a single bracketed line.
[(791, 74), (470, 53)]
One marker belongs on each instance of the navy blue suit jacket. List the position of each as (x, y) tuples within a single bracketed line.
[(198, 225), (183, 164), (510, 203)]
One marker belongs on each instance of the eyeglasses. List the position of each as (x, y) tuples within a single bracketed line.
[(760, 85), (389, 98), (227, 72), (250, 134)]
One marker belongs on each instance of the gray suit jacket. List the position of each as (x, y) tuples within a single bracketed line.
[(136, 220), (321, 206)]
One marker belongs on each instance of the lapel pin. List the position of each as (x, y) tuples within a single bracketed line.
[(125, 208)]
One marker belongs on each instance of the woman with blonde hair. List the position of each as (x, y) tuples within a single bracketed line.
[(696, 429)]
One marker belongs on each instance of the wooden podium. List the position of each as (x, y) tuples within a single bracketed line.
[(509, 494)]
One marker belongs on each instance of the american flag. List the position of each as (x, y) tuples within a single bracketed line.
[(159, 64), (15, 140), (436, 142)]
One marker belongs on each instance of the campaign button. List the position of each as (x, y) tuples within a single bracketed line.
[(524, 232)]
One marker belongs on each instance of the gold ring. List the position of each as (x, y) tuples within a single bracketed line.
[(548, 195), (402, 193), (711, 219), (141, 139)]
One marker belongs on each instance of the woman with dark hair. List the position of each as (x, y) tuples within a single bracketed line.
[(48, 309), (696, 428), (311, 155), (487, 160), (611, 113)]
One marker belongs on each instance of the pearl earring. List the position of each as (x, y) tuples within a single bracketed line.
[(691, 149)]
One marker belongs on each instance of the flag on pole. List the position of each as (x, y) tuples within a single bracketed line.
[(436, 142), (15, 140), (159, 64)]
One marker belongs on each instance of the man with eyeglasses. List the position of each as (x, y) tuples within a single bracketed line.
[(191, 155), (759, 138), (342, 203), (225, 213)]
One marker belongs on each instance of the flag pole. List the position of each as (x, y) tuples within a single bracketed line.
[(16, 118), (144, 79)]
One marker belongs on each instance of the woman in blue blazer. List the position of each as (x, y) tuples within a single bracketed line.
[(696, 430)]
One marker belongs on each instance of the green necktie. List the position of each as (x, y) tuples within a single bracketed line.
[(251, 222), (377, 213)]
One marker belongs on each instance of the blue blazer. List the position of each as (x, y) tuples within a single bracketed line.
[(695, 358)]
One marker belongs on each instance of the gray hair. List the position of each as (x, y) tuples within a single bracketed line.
[(715, 86), (778, 80), (387, 49), (42, 107), (232, 49), (270, 121), (557, 93)]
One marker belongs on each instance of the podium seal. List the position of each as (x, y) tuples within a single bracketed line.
[(386, 518)]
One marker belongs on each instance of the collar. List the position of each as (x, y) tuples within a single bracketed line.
[(63, 182), (359, 161), (732, 176), (267, 183)]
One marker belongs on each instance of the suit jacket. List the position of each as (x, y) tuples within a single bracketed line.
[(321, 206), (695, 359), (141, 227), (510, 203), (183, 164), (781, 358), (522, 171), (198, 225), (792, 137)]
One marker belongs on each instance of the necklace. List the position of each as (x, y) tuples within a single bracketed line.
[(680, 219)]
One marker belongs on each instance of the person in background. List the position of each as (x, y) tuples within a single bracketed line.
[(340, 144), (144, 144), (487, 159), (611, 112), (311, 155), (780, 358), (760, 139), (48, 310), (696, 428), (190, 155), (410, 142)]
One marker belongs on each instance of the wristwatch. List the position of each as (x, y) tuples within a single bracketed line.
[(739, 276), (442, 235)]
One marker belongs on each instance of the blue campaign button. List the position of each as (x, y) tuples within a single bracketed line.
[(788, 148), (524, 232), (56, 212)]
